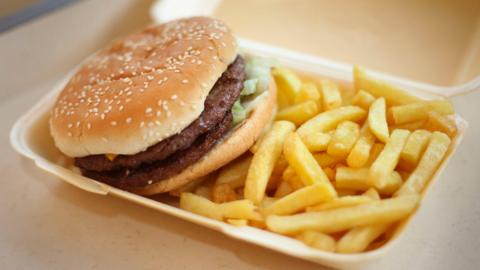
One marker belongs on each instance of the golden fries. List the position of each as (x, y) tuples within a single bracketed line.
[(300, 199), (363, 99), (386, 162), (303, 162), (431, 160), (392, 95), (360, 152), (331, 97), (357, 179), (264, 160), (288, 83), (317, 141), (343, 139), (328, 120), (299, 113), (337, 220), (377, 120), (413, 149), (308, 91), (438, 122), (329, 183), (339, 203), (317, 240), (234, 174)]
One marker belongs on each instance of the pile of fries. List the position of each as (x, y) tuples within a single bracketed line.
[(336, 171)]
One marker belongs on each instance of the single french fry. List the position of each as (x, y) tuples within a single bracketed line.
[(326, 160), (317, 240), (264, 160), (432, 158), (363, 99), (237, 222), (438, 122), (360, 152), (357, 179), (418, 111), (288, 83), (303, 162), (386, 162), (414, 147), (377, 148), (235, 173), (340, 219), (308, 91), (283, 189), (330, 119), (267, 201), (317, 141), (221, 193), (343, 139), (357, 239), (339, 202), (377, 119), (200, 205), (299, 113), (392, 94), (241, 209), (331, 97), (300, 199)]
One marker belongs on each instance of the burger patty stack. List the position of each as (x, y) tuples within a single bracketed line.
[(152, 105)]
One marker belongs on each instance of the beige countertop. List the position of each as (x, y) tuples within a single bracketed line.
[(48, 224)]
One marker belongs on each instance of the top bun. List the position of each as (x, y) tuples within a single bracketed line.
[(142, 89)]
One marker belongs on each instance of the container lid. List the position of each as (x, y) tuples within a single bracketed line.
[(436, 45)]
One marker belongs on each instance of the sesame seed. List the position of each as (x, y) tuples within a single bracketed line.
[(89, 126), (113, 123), (174, 97), (128, 120), (184, 81), (148, 110), (70, 125), (142, 124)]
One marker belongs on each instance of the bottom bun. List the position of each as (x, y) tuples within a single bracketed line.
[(232, 146)]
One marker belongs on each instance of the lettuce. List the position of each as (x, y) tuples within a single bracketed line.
[(249, 87), (238, 112)]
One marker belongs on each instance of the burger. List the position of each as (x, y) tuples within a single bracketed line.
[(165, 106)]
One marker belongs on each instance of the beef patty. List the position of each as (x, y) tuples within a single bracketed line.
[(172, 155), (219, 100), (150, 173)]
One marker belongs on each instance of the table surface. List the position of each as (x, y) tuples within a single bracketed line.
[(48, 224)]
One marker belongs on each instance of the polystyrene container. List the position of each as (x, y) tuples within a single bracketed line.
[(30, 137)]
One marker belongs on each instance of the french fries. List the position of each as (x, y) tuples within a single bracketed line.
[(299, 113), (317, 141), (386, 162), (337, 220), (377, 120), (363, 99), (438, 122), (418, 111), (328, 120), (392, 95), (413, 149), (360, 152), (331, 96), (264, 160), (323, 180), (431, 160), (300, 199), (234, 174), (288, 83), (303, 162), (317, 240), (343, 139), (308, 91), (357, 179)]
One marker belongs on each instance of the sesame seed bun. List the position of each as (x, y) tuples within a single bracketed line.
[(142, 89), (234, 144)]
